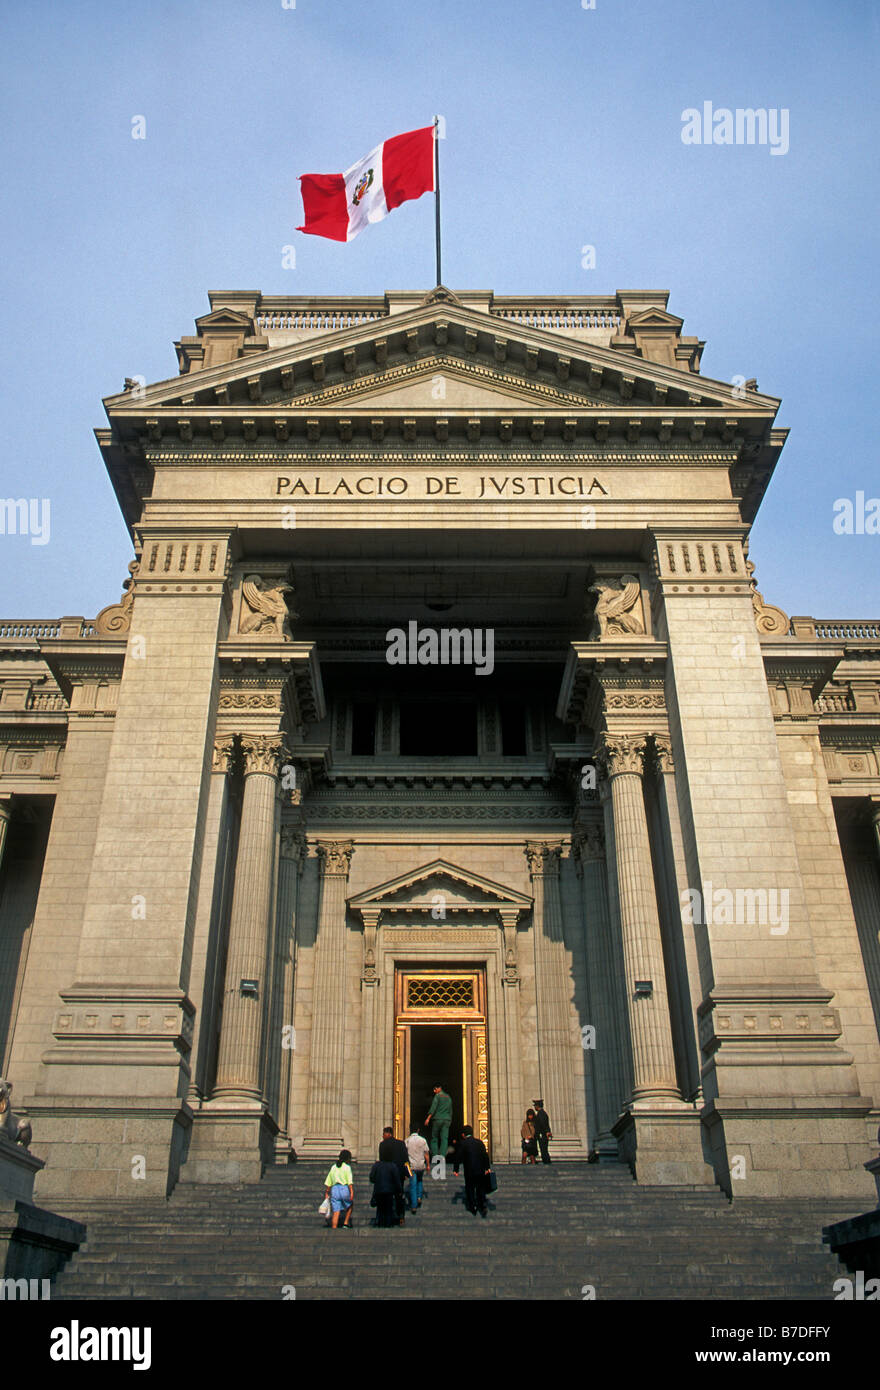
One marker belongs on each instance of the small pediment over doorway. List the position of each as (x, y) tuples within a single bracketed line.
[(462, 893)]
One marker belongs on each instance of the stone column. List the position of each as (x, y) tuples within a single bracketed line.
[(659, 1135), (589, 846), (238, 1062), (553, 994), (5, 816), (323, 1137), (685, 974), (282, 1040), (653, 1058)]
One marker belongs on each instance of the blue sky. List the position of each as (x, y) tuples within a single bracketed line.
[(563, 129)]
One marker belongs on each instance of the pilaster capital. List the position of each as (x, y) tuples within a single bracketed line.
[(543, 857), (335, 857), (223, 753), (262, 753), (588, 843), (663, 757), (293, 844), (622, 753)]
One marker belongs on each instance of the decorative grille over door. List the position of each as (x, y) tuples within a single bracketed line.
[(433, 992)]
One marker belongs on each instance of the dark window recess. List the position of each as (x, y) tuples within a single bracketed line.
[(438, 728), (363, 728), (512, 714)]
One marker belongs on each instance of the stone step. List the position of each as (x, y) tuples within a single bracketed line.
[(595, 1224)]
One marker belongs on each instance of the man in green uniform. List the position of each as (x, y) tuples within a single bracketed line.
[(441, 1114)]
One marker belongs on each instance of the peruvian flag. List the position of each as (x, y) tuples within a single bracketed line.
[(339, 206)]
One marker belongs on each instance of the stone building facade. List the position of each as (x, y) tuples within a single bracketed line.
[(441, 734)]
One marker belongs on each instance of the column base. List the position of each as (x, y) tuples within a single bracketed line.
[(663, 1145), (97, 1146), (321, 1146), (230, 1143), (792, 1146)]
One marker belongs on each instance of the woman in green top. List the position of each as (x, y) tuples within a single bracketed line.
[(339, 1187)]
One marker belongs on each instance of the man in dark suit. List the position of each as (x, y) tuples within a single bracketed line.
[(470, 1153), (542, 1130), (394, 1151)]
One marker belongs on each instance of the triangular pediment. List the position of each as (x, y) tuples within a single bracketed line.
[(462, 891), (654, 318), (505, 362), (224, 318)]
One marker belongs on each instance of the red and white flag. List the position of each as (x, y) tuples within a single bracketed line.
[(339, 206)]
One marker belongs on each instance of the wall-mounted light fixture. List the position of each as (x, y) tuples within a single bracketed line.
[(644, 989), (249, 988)]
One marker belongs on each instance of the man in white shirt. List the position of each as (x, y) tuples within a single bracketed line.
[(418, 1152)]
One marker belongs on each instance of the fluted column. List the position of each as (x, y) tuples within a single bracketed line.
[(589, 847), (324, 1112), (238, 1062), (282, 1041), (552, 989), (653, 1059), (5, 816)]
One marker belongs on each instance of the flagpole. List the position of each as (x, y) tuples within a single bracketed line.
[(437, 195)]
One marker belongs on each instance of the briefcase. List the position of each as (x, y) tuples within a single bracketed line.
[(491, 1181)]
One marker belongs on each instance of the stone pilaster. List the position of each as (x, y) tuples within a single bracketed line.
[(556, 1078), (323, 1136), (238, 1061), (369, 1121), (589, 848)]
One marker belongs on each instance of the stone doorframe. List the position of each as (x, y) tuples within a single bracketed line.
[(399, 929)]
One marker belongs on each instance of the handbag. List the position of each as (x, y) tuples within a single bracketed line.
[(324, 1208), (491, 1181)]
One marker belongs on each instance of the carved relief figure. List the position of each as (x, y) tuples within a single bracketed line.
[(11, 1127), (264, 609), (616, 609)]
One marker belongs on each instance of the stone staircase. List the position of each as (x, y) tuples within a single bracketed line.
[(550, 1231)]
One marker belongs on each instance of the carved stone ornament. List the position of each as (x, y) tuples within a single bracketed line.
[(293, 844), (769, 621), (663, 753), (622, 753), (590, 842), (335, 856), (11, 1127), (261, 753), (543, 857), (264, 611), (224, 748), (116, 617), (617, 611)]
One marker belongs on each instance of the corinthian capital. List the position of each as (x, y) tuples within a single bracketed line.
[(543, 857), (261, 753), (293, 844), (335, 856), (224, 747), (619, 753), (663, 753), (589, 841)]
